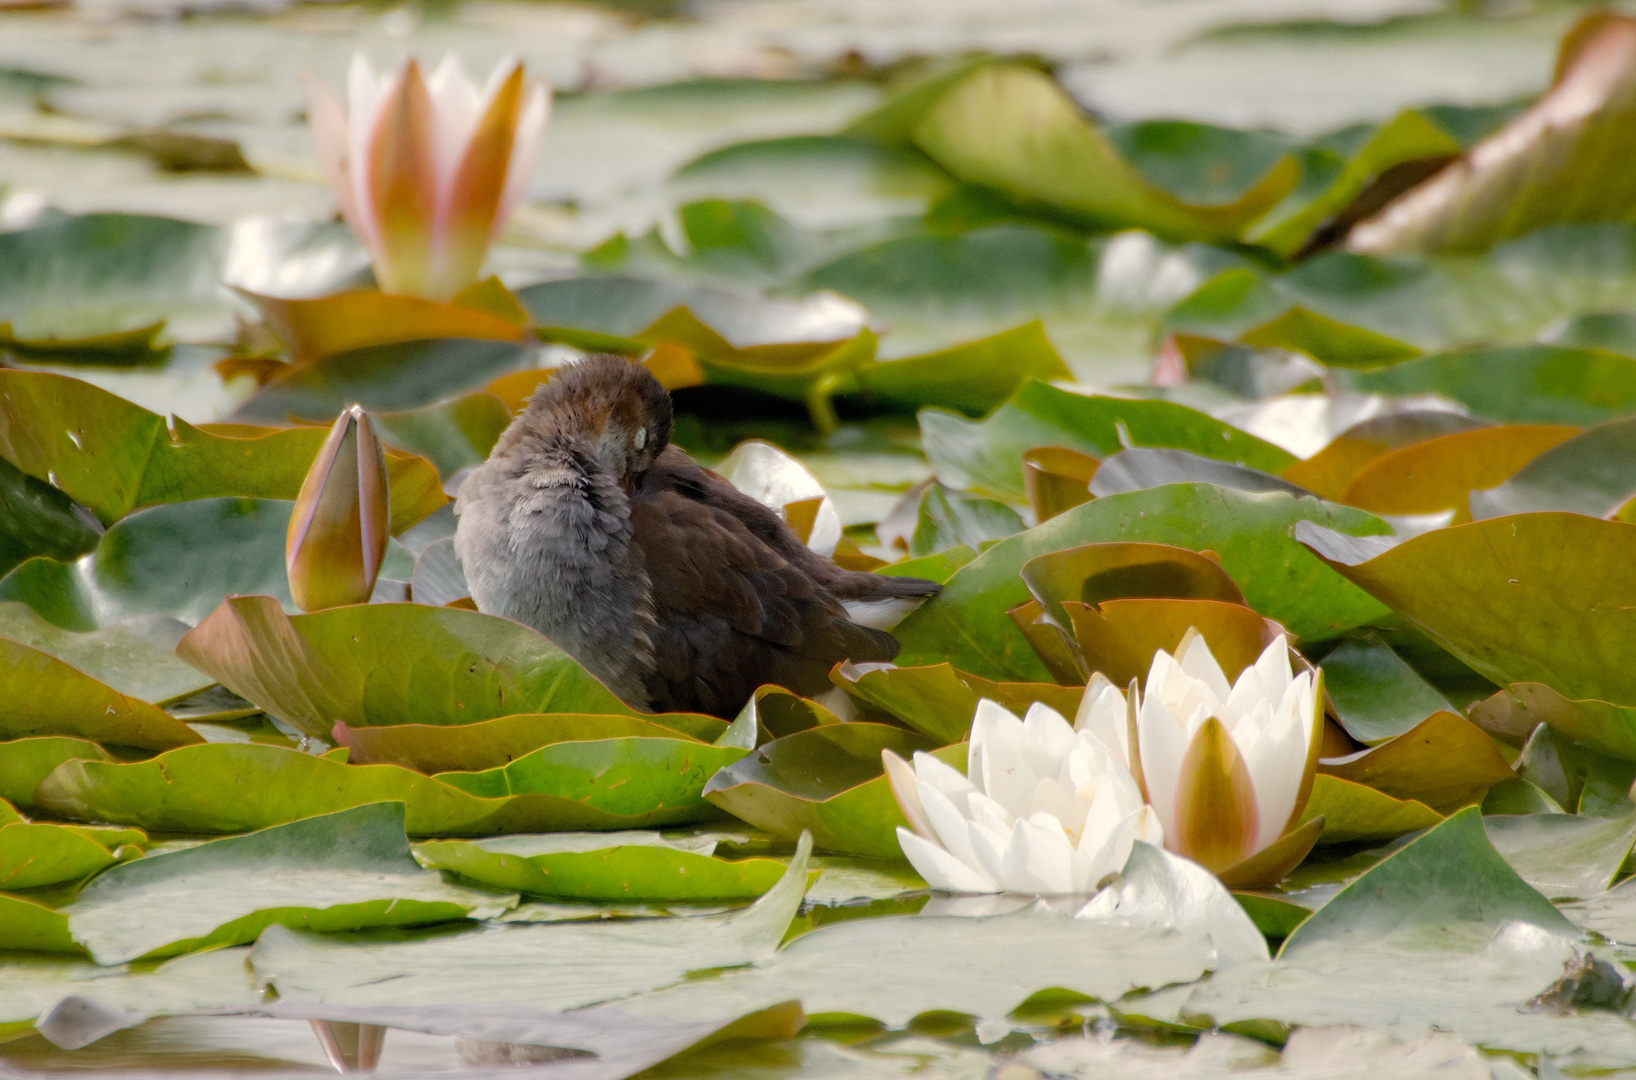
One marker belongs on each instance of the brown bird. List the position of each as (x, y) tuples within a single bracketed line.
[(676, 590)]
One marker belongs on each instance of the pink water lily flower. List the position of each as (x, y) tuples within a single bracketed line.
[(427, 170)]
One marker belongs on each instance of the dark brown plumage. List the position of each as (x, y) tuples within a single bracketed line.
[(675, 589)]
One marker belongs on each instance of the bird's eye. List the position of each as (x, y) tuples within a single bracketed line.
[(641, 439)]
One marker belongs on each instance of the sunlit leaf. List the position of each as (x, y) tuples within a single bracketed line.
[(973, 378), (939, 701), (136, 657), (26, 762), (1328, 472), (1563, 855), (41, 695), (1354, 812), (1444, 761), (37, 854), (490, 744), (1440, 473), (324, 326), (1594, 473)]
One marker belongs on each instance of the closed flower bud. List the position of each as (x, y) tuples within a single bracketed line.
[(338, 530)]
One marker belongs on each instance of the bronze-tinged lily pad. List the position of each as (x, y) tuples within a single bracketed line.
[(829, 781), (41, 695), (1050, 643), (1445, 761), (376, 664), (1093, 573), (939, 701), (1355, 812), (1547, 598), (1328, 472), (1440, 473), (1120, 637), (490, 744), (312, 329), (1601, 726), (1055, 479)]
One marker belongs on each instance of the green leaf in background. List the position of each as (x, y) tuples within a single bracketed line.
[(1354, 812), (553, 967), (37, 854), (136, 657), (1563, 855), (340, 871), (1409, 136), (1013, 128), (1331, 343), (37, 519), (986, 455), (1375, 693), (974, 378), (178, 560), (939, 701), (451, 435), (1527, 384), (948, 519), (1142, 467), (1592, 473), (659, 780), (41, 695), (25, 762), (602, 866), (1547, 166), (829, 781), (1440, 474), (967, 624), (387, 664), (490, 744), (1547, 598), (197, 790)]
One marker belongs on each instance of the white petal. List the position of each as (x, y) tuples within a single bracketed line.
[(1102, 712), (1197, 660), (1163, 746), (942, 870), (1038, 858), (952, 827), (455, 107), (901, 776), (1000, 760), (942, 776)]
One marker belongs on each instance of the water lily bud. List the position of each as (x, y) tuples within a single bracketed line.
[(338, 530), (427, 170)]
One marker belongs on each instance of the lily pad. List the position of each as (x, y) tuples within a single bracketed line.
[(1525, 384), (1440, 473), (1445, 761), (602, 866), (1331, 343), (1119, 637), (195, 790), (1328, 472), (312, 329), (452, 435), (1144, 467), (30, 926), (136, 657), (1594, 473), (948, 519), (1354, 812), (967, 625), (44, 696), (829, 781), (33, 855), (1375, 693), (973, 378), (219, 980), (38, 519), (1500, 595), (939, 701), (986, 456), (26, 762), (387, 664), (1564, 855), (339, 871), (1094, 573), (490, 744)]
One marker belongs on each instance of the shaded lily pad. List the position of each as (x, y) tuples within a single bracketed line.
[(1119, 637), (37, 519), (452, 435), (490, 744), (986, 455), (1375, 693), (136, 657), (387, 664), (967, 624), (1144, 467), (1331, 343), (1354, 812), (602, 866), (948, 519), (340, 871), (41, 695), (1525, 384), (312, 329), (1594, 473), (939, 701), (1445, 761), (193, 790), (828, 780)]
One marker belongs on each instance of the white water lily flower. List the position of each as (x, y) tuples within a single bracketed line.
[(1043, 810), (427, 170), (1228, 769)]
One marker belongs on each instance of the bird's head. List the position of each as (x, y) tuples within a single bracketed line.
[(611, 404)]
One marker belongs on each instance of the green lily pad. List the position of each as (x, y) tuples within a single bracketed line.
[(178, 560), (1524, 384), (602, 866), (986, 456), (827, 780), (939, 701), (490, 744), (1146, 467), (34, 855), (659, 779), (974, 378), (136, 657), (1375, 693), (967, 624), (379, 664), (25, 762), (37, 519), (30, 926), (339, 871), (41, 695), (1354, 812), (1592, 473), (452, 435), (1331, 343), (192, 790), (551, 966), (948, 519), (1563, 855), (1501, 597)]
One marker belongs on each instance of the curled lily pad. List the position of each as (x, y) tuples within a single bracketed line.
[(37, 854), (829, 781), (1440, 473), (25, 762), (1445, 761), (490, 744), (312, 329), (1092, 573), (192, 790), (947, 520), (939, 701), (1354, 812), (1141, 467), (1056, 479), (41, 695), (1119, 637), (387, 664), (972, 378), (1604, 727), (602, 866), (38, 519)]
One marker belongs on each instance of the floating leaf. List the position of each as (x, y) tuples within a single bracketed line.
[(347, 321), (26, 762), (967, 624), (41, 695), (33, 855), (1375, 693), (1565, 856), (948, 520), (1354, 812), (1328, 472), (1440, 473), (30, 926), (986, 456), (1528, 384), (1593, 472), (340, 871), (106, 999), (939, 701), (602, 866), (828, 781), (1331, 343), (490, 744), (387, 664), (1144, 467), (1603, 727), (1119, 637), (452, 435), (973, 378), (136, 657), (1444, 761), (1056, 479), (1093, 573), (192, 790), (37, 519)]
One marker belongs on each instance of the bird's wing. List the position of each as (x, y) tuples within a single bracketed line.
[(733, 613)]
